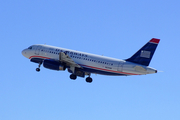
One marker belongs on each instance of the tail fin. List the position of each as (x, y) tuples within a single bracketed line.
[(145, 54)]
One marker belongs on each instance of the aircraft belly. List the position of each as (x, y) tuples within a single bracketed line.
[(100, 70), (95, 71)]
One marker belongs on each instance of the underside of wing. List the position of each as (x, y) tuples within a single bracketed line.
[(68, 60)]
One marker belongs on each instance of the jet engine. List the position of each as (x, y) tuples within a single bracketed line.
[(53, 65)]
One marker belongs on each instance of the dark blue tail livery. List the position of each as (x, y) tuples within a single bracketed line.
[(145, 54)]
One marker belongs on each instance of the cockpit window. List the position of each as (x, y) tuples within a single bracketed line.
[(30, 47)]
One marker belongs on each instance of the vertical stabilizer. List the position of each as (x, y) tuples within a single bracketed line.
[(145, 54)]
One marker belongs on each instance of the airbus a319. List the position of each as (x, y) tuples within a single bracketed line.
[(81, 64)]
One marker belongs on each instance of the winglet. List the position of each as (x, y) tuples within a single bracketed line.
[(154, 40)]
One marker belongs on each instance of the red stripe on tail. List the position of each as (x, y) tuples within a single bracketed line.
[(154, 40)]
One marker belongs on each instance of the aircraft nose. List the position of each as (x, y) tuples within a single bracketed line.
[(24, 53)]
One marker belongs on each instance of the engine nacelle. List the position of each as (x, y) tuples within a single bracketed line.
[(53, 65)]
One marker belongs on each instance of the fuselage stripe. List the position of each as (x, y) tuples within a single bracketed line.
[(39, 57), (90, 66), (108, 70)]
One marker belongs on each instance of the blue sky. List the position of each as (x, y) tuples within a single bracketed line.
[(110, 28)]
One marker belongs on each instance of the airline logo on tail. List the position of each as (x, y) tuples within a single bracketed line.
[(145, 54)]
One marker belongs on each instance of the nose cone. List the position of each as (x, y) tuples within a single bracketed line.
[(24, 53)]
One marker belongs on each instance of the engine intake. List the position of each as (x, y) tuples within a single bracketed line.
[(53, 65)]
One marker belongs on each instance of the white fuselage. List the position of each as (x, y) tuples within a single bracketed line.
[(89, 62)]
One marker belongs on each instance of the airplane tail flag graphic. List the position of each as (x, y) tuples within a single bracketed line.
[(145, 54)]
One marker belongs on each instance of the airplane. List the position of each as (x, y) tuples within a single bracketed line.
[(81, 64)]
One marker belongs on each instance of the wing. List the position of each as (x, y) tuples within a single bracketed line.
[(66, 59)]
